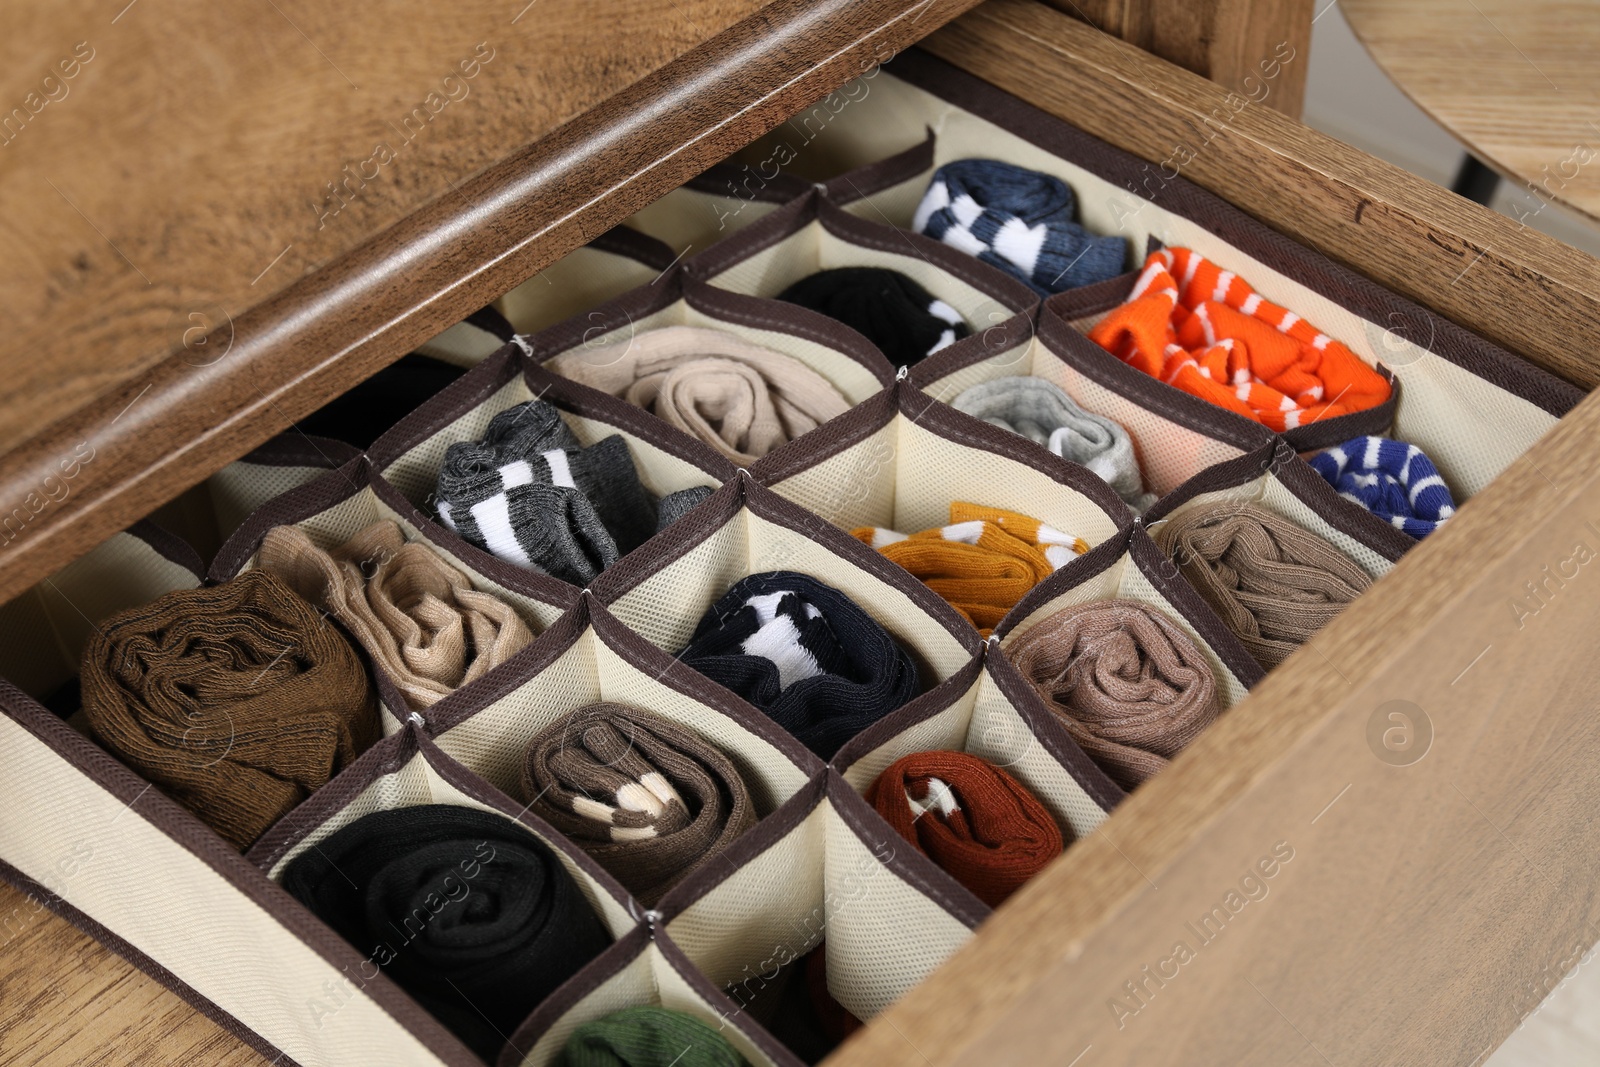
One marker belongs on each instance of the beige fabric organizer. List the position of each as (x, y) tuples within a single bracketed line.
[(143, 875)]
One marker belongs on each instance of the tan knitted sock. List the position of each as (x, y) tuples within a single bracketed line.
[(418, 617), (740, 398)]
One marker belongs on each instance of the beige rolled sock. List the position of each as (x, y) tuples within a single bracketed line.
[(418, 617), (740, 398)]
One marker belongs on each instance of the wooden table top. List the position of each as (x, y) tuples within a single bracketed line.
[(1513, 79)]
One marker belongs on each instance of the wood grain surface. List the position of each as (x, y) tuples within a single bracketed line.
[(159, 423), (1513, 79), (1227, 41), (53, 973)]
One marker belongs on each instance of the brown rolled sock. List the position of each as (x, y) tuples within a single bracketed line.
[(1129, 685), (740, 398), (1272, 582), (238, 700), (418, 617), (649, 800)]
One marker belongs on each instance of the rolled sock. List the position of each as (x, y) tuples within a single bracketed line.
[(418, 617), (530, 494), (970, 817), (1272, 582), (647, 1036), (1215, 337), (1042, 412), (1018, 220), (983, 562), (649, 800), (740, 398), (902, 318), (805, 654), (675, 506), (477, 918), (1129, 685), (1395, 481), (238, 700)]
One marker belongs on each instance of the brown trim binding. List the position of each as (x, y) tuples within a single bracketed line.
[(1181, 197), (762, 313), (111, 940), (621, 311), (625, 241), (902, 859), (189, 833), (169, 546), (1012, 335), (865, 182), (721, 179), (296, 449), (493, 373), (766, 834), (1031, 706), (1099, 559), (750, 1026), (828, 440), (1296, 475), (490, 321), (591, 976), (906, 716)]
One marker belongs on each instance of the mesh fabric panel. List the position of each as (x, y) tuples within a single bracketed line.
[(578, 281)]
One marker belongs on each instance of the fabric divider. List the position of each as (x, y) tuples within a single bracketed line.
[(472, 339), (899, 460), (587, 657), (286, 462), (1175, 436), (998, 718), (44, 630), (718, 202), (583, 348), (745, 529), (1136, 569), (811, 234), (411, 454), (616, 261), (643, 968), (343, 502), (1280, 481)]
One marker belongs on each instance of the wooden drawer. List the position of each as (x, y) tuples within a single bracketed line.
[(1427, 903)]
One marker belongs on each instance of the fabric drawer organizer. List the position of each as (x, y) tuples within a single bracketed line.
[(818, 867)]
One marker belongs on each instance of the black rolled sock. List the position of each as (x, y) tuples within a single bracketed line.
[(805, 654), (468, 912), (902, 318), (675, 506)]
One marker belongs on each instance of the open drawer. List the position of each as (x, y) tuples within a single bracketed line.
[(1423, 896)]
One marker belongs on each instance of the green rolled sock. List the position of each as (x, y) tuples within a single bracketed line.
[(648, 1037)]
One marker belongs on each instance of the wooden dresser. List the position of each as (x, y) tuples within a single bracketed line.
[(206, 242)]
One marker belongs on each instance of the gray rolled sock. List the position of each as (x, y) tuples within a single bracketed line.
[(1040, 411), (675, 506)]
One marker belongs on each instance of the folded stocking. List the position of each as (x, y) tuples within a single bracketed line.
[(970, 817), (1040, 411), (1393, 480), (649, 800), (1018, 220), (740, 398), (647, 1036), (1129, 685), (981, 564), (418, 617), (1214, 336), (530, 494), (805, 654), (467, 911), (238, 700), (1272, 582), (902, 318)]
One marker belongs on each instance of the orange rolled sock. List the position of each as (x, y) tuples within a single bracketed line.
[(970, 817), (983, 562), (1215, 337)]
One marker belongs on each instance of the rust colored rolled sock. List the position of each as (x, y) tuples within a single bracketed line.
[(1272, 582), (238, 700), (970, 817), (1129, 685)]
